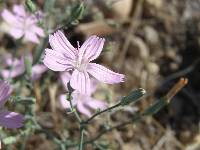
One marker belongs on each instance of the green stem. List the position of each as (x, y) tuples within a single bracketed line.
[(81, 138), (99, 113), (39, 50), (74, 109), (79, 120), (77, 116), (106, 130)]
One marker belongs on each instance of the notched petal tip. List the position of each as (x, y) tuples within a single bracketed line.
[(122, 77), (59, 32), (104, 74)]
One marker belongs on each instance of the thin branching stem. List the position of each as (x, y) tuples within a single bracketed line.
[(106, 130), (100, 112), (81, 138), (79, 120), (72, 108)]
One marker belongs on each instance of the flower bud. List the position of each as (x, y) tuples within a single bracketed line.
[(134, 96)]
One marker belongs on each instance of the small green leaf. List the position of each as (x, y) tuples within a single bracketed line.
[(154, 108), (24, 100), (31, 6), (9, 140), (134, 96), (77, 12)]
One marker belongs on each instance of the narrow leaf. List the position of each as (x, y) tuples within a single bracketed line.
[(77, 12), (155, 107), (24, 100), (9, 140), (31, 6)]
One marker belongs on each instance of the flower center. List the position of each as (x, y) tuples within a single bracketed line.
[(81, 66)]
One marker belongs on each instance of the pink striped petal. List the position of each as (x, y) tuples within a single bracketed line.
[(5, 91), (91, 48), (65, 78), (93, 85), (13, 73), (11, 119), (59, 42), (19, 10), (86, 44), (17, 33), (8, 17), (65, 103), (96, 104), (56, 61), (80, 81), (37, 71), (39, 31), (31, 36), (103, 74), (83, 109), (18, 68)]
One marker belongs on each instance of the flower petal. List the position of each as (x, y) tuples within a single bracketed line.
[(31, 36), (16, 33), (65, 78), (8, 16), (56, 61), (10, 61), (83, 109), (103, 74), (5, 91), (39, 31), (11, 119), (80, 81), (93, 85), (19, 10), (59, 42), (18, 68), (91, 48), (65, 103), (13, 73), (37, 71), (96, 104)]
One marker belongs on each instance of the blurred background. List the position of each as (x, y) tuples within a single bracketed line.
[(152, 42)]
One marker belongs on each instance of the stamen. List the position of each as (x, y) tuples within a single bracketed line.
[(78, 44)]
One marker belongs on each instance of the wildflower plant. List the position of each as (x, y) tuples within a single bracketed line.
[(78, 73)]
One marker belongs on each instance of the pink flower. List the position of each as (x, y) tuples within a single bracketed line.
[(8, 119), (16, 67), (21, 23), (84, 103), (64, 57)]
